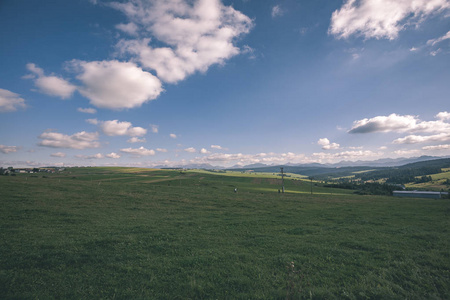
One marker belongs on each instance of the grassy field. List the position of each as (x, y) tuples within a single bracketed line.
[(91, 233), (438, 182)]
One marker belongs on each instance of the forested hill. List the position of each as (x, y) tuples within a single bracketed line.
[(407, 173), (401, 174)]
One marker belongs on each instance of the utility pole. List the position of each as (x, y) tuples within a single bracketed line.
[(282, 180)]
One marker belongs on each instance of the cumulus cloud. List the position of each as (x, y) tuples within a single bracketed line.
[(116, 128), (112, 155), (136, 140), (87, 110), (398, 123), (161, 150), (327, 145), (204, 151), (10, 101), (79, 140), (173, 135), (381, 18), (116, 85), (190, 150), (138, 152), (443, 115), (276, 11), (50, 85), (8, 149), (58, 154), (194, 35)]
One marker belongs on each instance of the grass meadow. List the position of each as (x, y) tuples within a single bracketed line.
[(121, 233)]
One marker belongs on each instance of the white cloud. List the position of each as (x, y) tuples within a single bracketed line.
[(443, 115), (136, 140), (436, 52), (58, 154), (95, 156), (116, 128), (87, 110), (407, 152), (398, 123), (92, 121), (414, 139), (381, 18), (173, 135), (10, 101), (112, 155), (130, 28), (161, 150), (437, 147), (327, 145), (50, 85), (8, 149), (346, 155), (276, 11), (141, 151), (440, 39), (154, 128), (116, 85), (80, 140), (204, 151), (196, 35), (190, 150), (217, 147)]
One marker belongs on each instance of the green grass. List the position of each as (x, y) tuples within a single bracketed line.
[(92, 233)]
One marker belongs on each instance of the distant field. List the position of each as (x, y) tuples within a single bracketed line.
[(438, 182), (130, 233)]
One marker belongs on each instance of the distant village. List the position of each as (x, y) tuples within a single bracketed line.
[(14, 171)]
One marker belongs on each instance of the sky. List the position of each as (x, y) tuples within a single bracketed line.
[(173, 83)]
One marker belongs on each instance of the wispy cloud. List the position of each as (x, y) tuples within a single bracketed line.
[(8, 149), (138, 152), (433, 42), (10, 101), (154, 128), (276, 11), (87, 110), (381, 18), (136, 140), (58, 154)]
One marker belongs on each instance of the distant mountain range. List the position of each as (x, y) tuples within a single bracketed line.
[(379, 163), (384, 162)]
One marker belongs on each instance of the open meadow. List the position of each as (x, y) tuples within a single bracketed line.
[(90, 233)]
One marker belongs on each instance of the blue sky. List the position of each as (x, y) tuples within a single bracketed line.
[(151, 83)]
